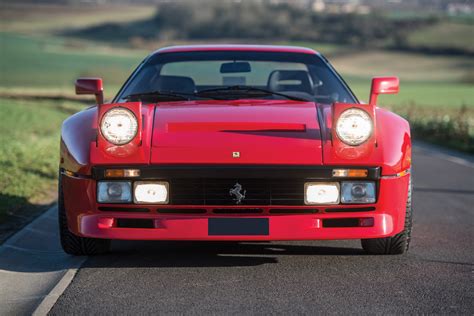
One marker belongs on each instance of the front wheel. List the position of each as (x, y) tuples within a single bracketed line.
[(72, 244), (397, 244)]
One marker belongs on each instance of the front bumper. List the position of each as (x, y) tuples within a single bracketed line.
[(86, 218)]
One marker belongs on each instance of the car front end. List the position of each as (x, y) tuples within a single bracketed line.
[(180, 155)]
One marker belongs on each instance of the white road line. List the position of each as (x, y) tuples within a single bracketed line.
[(49, 300), (24, 283), (34, 251), (456, 160)]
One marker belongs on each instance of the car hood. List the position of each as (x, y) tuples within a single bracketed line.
[(236, 132)]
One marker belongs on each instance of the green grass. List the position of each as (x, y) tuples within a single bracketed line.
[(49, 63), (29, 151), (446, 34), (54, 63), (450, 127), (47, 19), (437, 95)]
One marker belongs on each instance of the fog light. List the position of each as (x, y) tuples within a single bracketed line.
[(358, 192), (321, 193), (114, 192), (151, 192)]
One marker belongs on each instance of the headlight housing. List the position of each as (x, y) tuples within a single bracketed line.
[(119, 126), (358, 192), (321, 193), (114, 192), (151, 192), (354, 126)]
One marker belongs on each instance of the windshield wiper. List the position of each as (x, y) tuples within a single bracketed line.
[(245, 90), (158, 94)]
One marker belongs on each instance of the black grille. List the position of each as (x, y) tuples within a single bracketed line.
[(216, 191)]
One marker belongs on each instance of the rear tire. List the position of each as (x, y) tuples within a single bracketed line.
[(397, 244), (72, 244)]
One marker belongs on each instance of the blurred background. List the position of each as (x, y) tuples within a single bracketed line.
[(46, 44)]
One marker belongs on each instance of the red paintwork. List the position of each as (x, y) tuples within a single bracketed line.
[(247, 48), (343, 151), (391, 150), (263, 131), (91, 86), (208, 145), (85, 220), (383, 85), (234, 127), (128, 151)]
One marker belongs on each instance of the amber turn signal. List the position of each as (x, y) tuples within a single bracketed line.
[(350, 173), (122, 173)]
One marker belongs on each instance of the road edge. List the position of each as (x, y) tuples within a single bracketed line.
[(447, 154), (70, 267), (49, 300)]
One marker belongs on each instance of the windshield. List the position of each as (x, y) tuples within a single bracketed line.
[(230, 74)]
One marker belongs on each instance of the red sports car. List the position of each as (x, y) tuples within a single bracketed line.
[(235, 142)]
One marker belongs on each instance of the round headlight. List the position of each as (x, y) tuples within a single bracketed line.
[(354, 126), (119, 126)]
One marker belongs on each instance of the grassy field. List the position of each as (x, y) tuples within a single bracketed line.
[(50, 63), (452, 34), (50, 19), (29, 151), (32, 63)]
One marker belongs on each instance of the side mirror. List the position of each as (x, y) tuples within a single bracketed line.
[(91, 86), (383, 85)]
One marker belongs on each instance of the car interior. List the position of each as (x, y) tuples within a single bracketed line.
[(298, 83)]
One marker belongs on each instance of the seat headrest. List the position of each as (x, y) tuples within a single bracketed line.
[(290, 80), (176, 84)]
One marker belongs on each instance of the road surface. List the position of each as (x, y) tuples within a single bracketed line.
[(436, 276)]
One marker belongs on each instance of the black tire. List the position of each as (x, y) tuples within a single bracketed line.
[(397, 244), (72, 244)]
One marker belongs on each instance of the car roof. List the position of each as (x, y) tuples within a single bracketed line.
[(250, 48)]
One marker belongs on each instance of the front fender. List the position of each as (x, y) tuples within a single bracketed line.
[(392, 147), (77, 133)]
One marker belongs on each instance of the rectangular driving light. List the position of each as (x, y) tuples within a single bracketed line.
[(151, 192), (321, 193), (350, 173), (122, 173), (114, 192), (358, 192)]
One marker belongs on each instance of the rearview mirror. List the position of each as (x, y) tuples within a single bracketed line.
[(236, 66), (383, 85), (91, 86)]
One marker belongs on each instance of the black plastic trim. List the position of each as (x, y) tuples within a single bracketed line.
[(123, 209), (163, 172), (181, 210), (352, 209), (237, 210), (293, 211)]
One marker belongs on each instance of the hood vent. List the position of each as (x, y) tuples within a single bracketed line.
[(234, 127)]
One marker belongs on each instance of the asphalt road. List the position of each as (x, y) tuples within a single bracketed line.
[(436, 276)]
